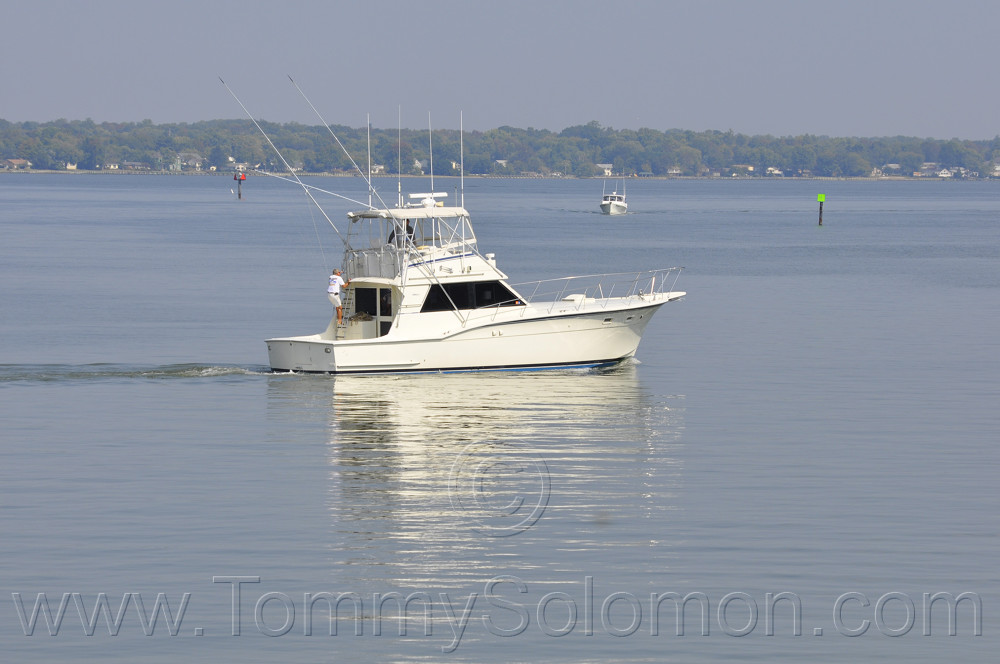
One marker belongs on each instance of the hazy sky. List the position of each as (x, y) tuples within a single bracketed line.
[(867, 68)]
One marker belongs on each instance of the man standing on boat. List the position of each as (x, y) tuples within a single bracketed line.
[(333, 292)]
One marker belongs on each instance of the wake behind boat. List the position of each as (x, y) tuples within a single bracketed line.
[(421, 297)]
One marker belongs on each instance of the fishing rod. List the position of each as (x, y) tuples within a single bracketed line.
[(304, 186)]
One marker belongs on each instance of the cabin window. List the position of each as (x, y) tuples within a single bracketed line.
[(492, 293), (377, 303), (385, 301), (468, 295), (365, 301), (438, 301)]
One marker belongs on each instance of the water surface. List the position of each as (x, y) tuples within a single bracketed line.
[(816, 418)]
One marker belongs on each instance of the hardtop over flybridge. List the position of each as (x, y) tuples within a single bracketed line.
[(423, 298)]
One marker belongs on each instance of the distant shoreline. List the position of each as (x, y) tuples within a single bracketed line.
[(880, 178)]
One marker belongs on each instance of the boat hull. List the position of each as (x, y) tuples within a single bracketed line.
[(591, 338), (614, 208)]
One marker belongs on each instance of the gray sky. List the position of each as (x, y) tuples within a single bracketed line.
[(868, 68)]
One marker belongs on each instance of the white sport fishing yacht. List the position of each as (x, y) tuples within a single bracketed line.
[(422, 298), (426, 299)]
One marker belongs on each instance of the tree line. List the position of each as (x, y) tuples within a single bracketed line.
[(575, 151)]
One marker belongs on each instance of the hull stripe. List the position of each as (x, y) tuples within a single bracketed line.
[(513, 367)]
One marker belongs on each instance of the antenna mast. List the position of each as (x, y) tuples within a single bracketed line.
[(461, 157), (370, 187), (399, 154)]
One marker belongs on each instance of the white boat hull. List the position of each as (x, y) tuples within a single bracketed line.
[(585, 337), (614, 208)]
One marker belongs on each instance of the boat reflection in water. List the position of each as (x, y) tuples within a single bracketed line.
[(437, 482)]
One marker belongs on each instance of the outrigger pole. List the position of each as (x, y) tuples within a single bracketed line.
[(304, 186), (353, 163)]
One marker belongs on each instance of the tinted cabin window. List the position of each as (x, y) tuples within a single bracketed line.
[(470, 295), (385, 302), (436, 300), (365, 301), (493, 293), (462, 295)]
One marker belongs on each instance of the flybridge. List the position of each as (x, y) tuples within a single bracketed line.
[(386, 243)]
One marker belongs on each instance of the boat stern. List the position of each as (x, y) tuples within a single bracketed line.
[(309, 354)]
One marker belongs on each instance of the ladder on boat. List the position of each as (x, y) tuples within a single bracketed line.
[(348, 306)]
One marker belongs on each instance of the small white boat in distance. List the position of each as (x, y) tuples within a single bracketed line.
[(422, 298), (614, 203)]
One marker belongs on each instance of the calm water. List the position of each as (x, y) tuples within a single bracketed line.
[(808, 441)]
